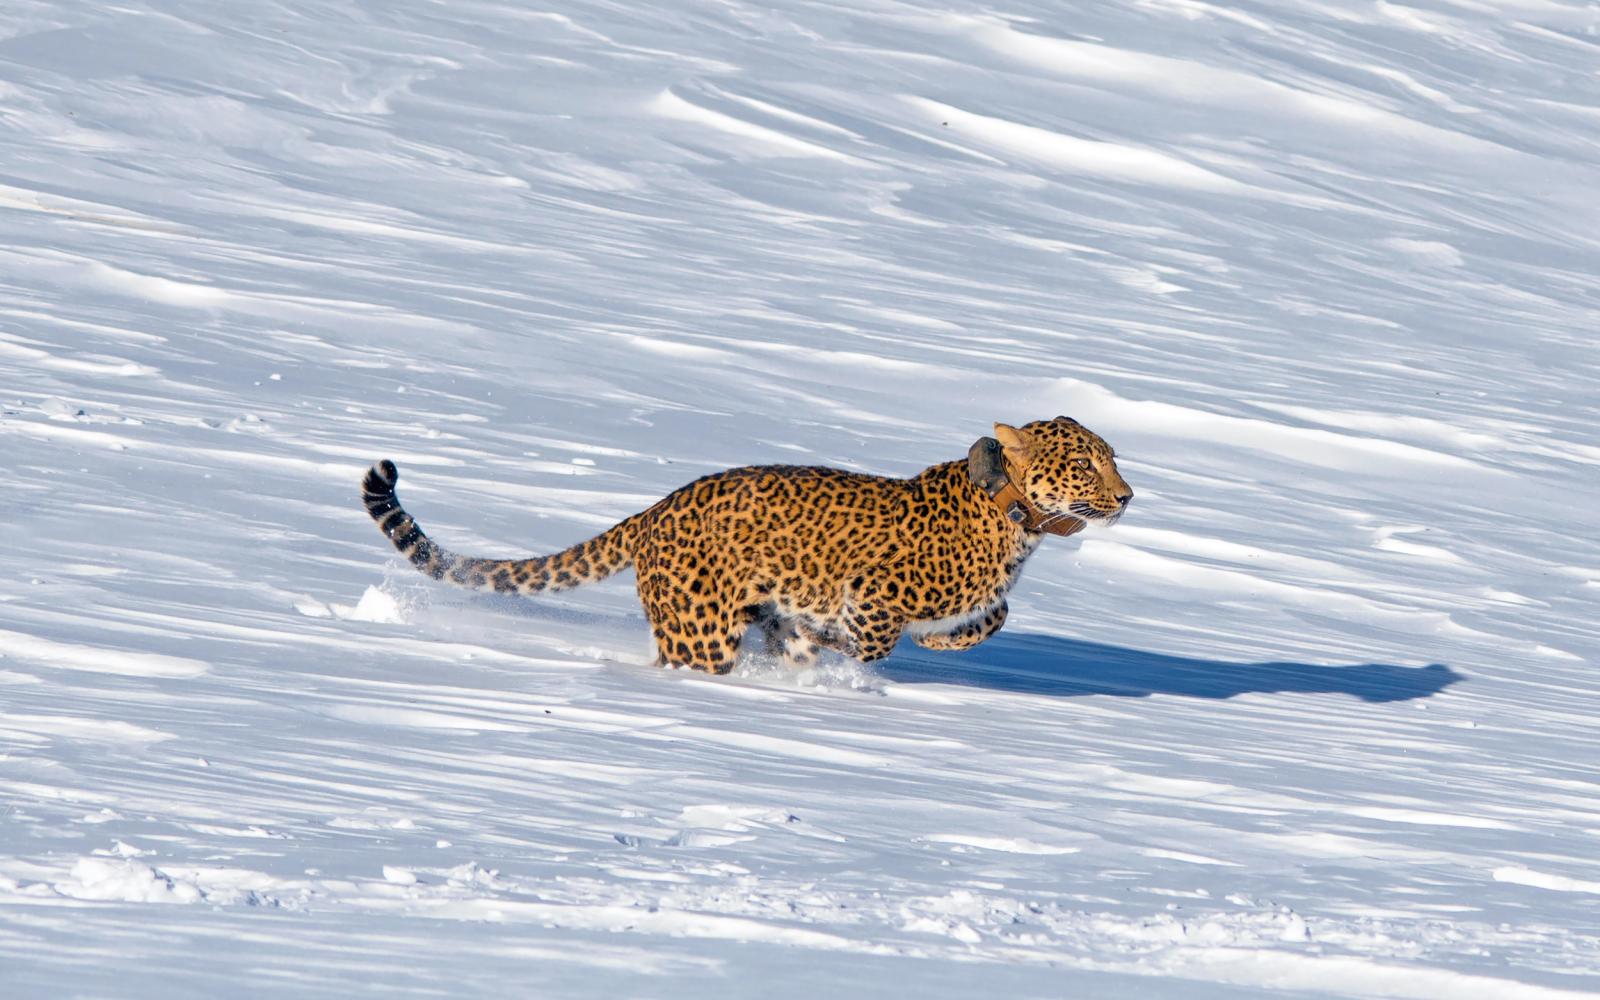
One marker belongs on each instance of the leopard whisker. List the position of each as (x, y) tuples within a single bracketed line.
[(1053, 518)]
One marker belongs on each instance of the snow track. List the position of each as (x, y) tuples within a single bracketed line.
[(1316, 719)]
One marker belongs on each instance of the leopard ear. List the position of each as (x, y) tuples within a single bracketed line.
[(1015, 441), (985, 466)]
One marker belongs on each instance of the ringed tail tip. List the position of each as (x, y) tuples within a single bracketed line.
[(377, 495), (380, 479)]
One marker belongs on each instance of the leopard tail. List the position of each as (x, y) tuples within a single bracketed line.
[(586, 562)]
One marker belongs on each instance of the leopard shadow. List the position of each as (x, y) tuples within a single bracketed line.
[(1026, 663)]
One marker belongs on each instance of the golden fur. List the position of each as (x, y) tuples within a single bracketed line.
[(818, 557)]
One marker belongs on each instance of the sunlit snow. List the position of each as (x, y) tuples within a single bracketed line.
[(1318, 718)]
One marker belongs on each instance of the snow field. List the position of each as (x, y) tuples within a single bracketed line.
[(1315, 719)]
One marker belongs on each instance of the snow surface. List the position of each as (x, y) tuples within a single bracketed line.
[(1318, 718)]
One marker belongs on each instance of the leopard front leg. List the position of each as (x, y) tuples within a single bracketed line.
[(876, 641), (870, 628), (968, 635), (800, 643), (795, 644)]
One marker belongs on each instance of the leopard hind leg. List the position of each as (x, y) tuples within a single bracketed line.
[(709, 642), (696, 623)]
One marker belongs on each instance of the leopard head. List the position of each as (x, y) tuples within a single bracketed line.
[(1064, 468)]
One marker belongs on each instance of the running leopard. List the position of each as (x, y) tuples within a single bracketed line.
[(819, 557)]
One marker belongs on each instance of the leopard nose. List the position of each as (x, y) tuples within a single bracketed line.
[(1123, 498)]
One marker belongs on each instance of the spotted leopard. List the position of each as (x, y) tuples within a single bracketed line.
[(818, 557)]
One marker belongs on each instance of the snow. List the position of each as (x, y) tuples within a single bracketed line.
[(1315, 719)]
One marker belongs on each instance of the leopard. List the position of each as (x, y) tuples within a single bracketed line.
[(818, 558)]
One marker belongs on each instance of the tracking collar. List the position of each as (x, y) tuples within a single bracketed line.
[(986, 464)]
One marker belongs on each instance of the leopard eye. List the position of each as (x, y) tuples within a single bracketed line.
[(1082, 463)]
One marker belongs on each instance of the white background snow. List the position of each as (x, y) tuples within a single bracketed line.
[(1318, 718)]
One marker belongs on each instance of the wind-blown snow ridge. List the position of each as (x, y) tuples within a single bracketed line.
[(1316, 718)]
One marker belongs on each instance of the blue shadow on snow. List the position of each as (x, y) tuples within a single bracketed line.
[(1050, 665)]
